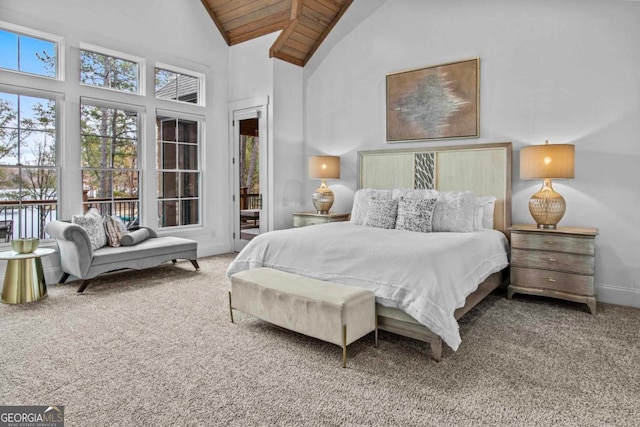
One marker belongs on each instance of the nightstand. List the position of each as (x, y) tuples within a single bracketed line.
[(557, 263), (301, 219)]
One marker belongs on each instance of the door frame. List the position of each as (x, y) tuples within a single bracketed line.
[(240, 110)]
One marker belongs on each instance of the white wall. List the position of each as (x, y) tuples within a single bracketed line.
[(565, 70), (288, 165), (252, 74), (162, 31)]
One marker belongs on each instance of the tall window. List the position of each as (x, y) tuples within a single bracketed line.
[(28, 181), (110, 174), (29, 51), (179, 85), (178, 171), (110, 70)]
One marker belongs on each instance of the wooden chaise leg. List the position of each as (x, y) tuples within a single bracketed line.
[(64, 278), (195, 264), (83, 286)]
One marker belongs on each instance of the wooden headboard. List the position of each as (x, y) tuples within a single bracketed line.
[(484, 169)]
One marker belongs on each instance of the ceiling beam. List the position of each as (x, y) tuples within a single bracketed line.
[(296, 9)]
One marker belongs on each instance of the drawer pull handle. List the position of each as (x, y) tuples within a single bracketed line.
[(553, 260), (549, 242), (550, 279)]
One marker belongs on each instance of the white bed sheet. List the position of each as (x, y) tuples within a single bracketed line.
[(426, 275)]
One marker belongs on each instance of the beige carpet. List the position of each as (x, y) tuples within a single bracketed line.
[(156, 348)]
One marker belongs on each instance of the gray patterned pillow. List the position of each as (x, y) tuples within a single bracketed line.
[(415, 214), (381, 213), (92, 223)]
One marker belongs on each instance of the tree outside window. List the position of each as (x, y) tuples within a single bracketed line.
[(28, 179), (110, 175)]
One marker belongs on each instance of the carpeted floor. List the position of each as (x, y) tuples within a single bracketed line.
[(156, 348)]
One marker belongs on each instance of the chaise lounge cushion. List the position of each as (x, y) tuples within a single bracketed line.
[(158, 247)]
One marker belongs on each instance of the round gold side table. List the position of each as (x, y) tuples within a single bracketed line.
[(24, 278)]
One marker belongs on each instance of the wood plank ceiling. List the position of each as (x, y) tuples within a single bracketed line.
[(304, 23)]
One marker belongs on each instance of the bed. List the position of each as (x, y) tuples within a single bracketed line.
[(413, 298)]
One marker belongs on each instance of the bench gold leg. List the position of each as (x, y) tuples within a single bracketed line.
[(230, 308), (344, 346), (376, 332)]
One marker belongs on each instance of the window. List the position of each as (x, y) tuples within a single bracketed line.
[(178, 170), (110, 174), (28, 179), (110, 70), (29, 51), (179, 85)]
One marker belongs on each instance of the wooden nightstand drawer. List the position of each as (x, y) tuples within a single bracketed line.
[(308, 220), (554, 242), (553, 280), (302, 219), (558, 261)]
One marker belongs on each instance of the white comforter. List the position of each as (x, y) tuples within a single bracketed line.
[(426, 275)]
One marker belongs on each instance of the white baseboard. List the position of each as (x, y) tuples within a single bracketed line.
[(617, 295)]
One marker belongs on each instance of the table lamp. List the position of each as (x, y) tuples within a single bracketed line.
[(546, 162), (323, 168)]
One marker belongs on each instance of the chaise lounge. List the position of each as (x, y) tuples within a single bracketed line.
[(79, 259)]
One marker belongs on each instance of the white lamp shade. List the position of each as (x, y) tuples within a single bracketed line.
[(547, 161), (324, 167)]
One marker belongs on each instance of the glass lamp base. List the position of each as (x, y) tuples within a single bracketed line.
[(547, 207), (322, 199)]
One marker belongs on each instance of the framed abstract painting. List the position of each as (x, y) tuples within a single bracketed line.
[(436, 102)]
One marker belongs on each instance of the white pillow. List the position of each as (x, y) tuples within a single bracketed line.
[(478, 213), (381, 213), (488, 205), (401, 193), (92, 223), (361, 203), (454, 212)]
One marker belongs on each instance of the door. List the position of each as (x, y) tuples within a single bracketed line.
[(249, 175)]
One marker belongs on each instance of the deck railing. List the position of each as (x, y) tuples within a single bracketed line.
[(29, 219)]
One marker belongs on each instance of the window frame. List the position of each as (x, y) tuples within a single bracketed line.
[(201, 83), (201, 126), (59, 99), (141, 62), (30, 32), (141, 123)]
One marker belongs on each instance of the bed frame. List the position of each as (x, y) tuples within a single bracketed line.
[(484, 169)]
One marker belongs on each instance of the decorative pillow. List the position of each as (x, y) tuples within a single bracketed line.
[(415, 214), (400, 193), (120, 223), (112, 230), (381, 213), (361, 203), (488, 206), (135, 237), (454, 212), (92, 223)]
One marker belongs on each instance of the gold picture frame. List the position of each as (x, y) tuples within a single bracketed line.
[(437, 102)]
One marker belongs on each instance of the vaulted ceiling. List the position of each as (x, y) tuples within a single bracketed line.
[(304, 23)]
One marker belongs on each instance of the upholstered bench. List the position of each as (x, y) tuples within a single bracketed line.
[(328, 311)]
